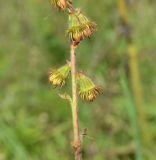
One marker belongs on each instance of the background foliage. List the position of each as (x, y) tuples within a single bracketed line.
[(35, 124)]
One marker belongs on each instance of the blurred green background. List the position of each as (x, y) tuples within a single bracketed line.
[(35, 124)]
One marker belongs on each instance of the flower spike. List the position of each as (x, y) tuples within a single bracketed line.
[(80, 27), (88, 90), (58, 77)]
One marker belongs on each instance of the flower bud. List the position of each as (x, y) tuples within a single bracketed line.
[(88, 90), (80, 27), (60, 4), (58, 77)]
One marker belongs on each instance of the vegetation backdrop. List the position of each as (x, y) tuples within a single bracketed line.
[(35, 124)]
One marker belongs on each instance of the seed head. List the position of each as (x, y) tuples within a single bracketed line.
[(58, 77), (80, 27), (88, 90)]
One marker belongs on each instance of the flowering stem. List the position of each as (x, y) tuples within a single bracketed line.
[(76, 142)]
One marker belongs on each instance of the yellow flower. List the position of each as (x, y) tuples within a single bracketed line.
[(58, 77), (80, 27), (60, 4), (88, 90)]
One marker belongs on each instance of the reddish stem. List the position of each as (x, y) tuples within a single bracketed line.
[(76, 142)]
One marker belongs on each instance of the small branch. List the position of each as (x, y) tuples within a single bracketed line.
[(76, 142)]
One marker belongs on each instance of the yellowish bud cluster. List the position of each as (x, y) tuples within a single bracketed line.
[(58, 77), (60, 4), (88, 90), (80, 27)]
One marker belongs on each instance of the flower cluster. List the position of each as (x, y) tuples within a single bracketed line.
[(80, 27), (58, 77), (88, 90)]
